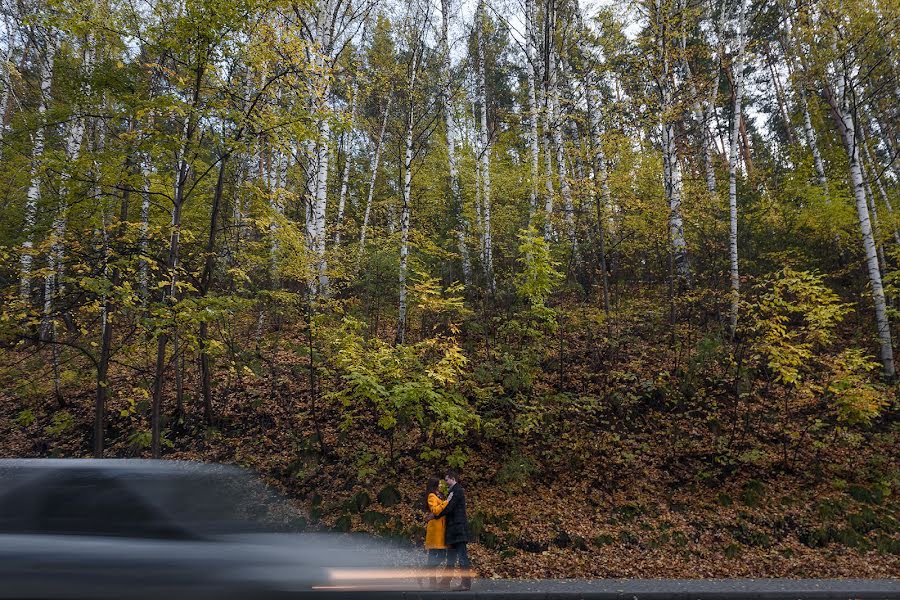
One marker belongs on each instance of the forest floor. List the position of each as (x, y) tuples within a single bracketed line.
[(652, 511), (570, 525)]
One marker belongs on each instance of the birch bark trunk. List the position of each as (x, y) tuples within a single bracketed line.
[(532, 108), (844, 116), (456, 208), (671, 168), (345, 176), (405, 208), (485, 159), (375, 161), (733, 166), (37, 154)]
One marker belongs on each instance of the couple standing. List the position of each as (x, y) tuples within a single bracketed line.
[(447, 532)]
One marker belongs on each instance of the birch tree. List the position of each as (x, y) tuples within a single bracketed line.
[(45, 69), (456, 203), (733, 165), (841, 95)]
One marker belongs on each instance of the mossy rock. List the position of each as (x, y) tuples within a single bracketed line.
[(732, 551), (752, 494), (389, 496), (358, 502), (376, 519), (603, 539), (343, 524)]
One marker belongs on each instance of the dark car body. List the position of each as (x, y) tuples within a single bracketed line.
[(165, 530)]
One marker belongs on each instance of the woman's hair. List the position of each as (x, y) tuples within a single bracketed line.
[(431, 488)]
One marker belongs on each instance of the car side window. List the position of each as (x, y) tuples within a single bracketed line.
[(94, 504)]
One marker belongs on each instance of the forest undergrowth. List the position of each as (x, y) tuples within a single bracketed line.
[(637, 459)]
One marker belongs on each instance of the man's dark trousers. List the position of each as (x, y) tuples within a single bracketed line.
[(459, 553)]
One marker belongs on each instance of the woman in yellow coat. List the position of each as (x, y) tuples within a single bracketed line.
[(435, 546)]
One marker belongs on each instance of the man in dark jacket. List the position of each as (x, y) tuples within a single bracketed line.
[(457, 533)]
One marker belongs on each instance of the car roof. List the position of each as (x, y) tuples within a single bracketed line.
[(117, 465)]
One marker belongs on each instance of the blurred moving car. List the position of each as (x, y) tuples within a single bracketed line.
[(121, 529)]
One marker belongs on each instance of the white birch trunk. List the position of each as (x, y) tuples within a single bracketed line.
[(37, 155), (144, 268), (733, 166), (879, 183), (809, 132), (565, 191), (671, 168), (375, 161), (56, 257), (532, 108), (844, 117), (485, 144), (700, 117), (345, 176), (459, 220), (405, 208), (6, 94)]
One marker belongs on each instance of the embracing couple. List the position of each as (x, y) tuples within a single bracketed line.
[(447, 532)]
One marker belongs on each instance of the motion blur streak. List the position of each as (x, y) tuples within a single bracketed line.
[(137, 529)]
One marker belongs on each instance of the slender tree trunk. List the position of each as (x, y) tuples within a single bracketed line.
[(873, 212), (182, 171), (599, 175), (780, 98), (405, 209), (106, 336), (143, 241), (205, 283), (844, 117), (485, 149), (732, 169), (671, 168), (565, 190), (546, 101), (456, 208), (37, 155), (700, 117), (6, 94), (532, 108), (797, 68), (878, 177), (345, 176), (375, 161)]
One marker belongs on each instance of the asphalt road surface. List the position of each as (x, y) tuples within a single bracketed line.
[(671, 589)]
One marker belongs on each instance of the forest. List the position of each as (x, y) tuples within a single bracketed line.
[(633, 268)]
